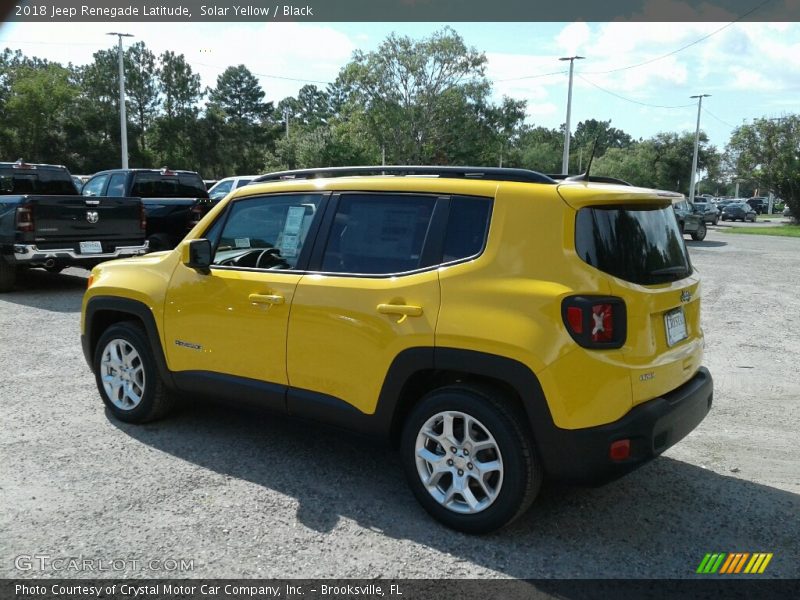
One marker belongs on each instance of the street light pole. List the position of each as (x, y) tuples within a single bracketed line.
[(565, 159), (123, 118), (696, 144)]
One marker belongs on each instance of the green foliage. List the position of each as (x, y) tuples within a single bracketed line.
[(662, 162), (767, 153)]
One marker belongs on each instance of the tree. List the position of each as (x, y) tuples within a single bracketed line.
[(540, 149), (38, 103), (141, 87), (424, 101), (589, 131), (248, 131), (767, 152), (174, 130), (663, 161)]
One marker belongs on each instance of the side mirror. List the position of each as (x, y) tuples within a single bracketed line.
[(197, 255)]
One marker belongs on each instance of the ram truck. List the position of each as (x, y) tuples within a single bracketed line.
[(46, 223), (174, 201)]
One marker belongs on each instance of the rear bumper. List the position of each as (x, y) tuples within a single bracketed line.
[(582, 455), (30, 254)]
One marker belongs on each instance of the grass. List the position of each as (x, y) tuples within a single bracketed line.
[(775, 217), (782, 230)]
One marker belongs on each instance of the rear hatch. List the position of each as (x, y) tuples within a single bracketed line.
[(632, 235), (66, 221)]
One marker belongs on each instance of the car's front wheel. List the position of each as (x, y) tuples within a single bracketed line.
[(127, 376), (699, 234), (469, 459)]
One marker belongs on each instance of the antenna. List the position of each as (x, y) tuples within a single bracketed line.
[(585, 175)]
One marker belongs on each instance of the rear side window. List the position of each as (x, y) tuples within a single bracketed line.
[(467, 225), (641, 245), (156, 185), (378, 234), (46, 182)]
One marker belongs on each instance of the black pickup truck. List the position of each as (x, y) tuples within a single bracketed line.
[(45, 222), (174, 201)]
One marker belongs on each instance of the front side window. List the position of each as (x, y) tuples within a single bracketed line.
[(268, 232), (221, 189), (116, 187), (95, 186), (378, 234)]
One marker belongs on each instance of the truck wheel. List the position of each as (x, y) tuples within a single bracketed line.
[(700, 233), (8, 275), (469, 459), (127, 376), (160, 241)]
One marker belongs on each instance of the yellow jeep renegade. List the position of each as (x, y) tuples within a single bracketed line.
[(496, 324)]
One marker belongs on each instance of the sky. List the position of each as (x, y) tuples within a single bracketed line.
[(751, 70)]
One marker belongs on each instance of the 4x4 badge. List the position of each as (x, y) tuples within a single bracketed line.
[(686, 295)]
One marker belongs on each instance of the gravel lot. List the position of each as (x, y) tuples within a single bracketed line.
[(247, 496)]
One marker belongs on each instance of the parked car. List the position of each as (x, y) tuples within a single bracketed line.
[(738, 211), (705, 208), (45, 223), (787, 212), (760, 204), (689, 221), (224, 186), (174, 201), (428, 319), (77, 182)]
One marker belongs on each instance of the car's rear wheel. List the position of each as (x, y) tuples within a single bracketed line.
[(700, 233), (127, 376), (469, 459)]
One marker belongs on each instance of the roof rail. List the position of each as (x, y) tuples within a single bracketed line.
[(592, 178), (488, 173)]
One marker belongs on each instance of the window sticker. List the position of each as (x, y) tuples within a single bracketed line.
[(289, 245), (294, 220), (242, 242)]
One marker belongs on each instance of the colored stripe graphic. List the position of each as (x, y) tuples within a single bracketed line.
[(729, 564)]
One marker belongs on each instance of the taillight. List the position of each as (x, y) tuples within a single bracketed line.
[(595, 321), (25, 218), (142, 217)]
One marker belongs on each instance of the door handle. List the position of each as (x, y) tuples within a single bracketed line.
[(266, 299), (405, 310)]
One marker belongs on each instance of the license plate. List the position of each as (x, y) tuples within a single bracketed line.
[(91, 248), (675, 324)]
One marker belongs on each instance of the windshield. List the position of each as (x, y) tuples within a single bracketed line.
[(641, 245)]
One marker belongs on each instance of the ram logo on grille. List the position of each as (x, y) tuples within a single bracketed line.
[(92, 216), (686, 295)]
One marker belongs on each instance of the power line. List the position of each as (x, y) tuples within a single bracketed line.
[(682, 48), (266, 75), (629, 99), (713, 116), (531, 76)]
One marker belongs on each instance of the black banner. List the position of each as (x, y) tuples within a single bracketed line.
[(41, 11), (400, 589)]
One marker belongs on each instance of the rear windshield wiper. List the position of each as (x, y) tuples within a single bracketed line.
[(676, 270)]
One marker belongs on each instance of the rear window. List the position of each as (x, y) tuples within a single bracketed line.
[(641, 245), (45, 182), (156, 185)]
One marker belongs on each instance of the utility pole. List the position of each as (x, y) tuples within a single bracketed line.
[(286, 118), (696, 144), (565, 159), (123, 119)]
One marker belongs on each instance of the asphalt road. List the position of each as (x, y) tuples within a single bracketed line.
[(243, 495)]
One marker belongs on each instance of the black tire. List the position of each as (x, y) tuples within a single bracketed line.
[(700, 233), (156, 400), (160, 241), (522, 472), (8, 275)]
